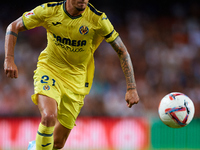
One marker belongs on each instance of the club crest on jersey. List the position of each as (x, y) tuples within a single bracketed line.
[(83, 30), (30, 13), (46, 87)]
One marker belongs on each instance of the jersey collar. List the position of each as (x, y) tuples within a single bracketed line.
[(72, 17)]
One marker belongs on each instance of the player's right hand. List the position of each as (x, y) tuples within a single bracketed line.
[(10, 68)]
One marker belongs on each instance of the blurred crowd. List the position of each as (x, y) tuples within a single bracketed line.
[(165, 51)]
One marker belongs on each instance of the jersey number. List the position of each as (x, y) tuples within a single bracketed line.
[(45, 79)]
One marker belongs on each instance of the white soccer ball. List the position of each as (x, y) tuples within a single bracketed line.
[(176, 110)]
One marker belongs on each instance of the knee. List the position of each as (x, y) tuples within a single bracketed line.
[(49, 118)]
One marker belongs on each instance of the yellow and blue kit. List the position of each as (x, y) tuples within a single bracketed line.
[(68, 58)]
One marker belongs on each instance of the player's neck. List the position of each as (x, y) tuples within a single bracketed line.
[(71, 10)]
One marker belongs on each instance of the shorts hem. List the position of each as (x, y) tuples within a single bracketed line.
[(65, 125), (34, 97)]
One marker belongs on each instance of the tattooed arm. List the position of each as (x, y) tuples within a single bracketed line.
[(10, 40), (131, 96)]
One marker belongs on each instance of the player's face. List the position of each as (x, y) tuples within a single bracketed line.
[(80, 5)]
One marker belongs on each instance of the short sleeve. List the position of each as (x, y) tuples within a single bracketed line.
[(35, 17), (106, 29)]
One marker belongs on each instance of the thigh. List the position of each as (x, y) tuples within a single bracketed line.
[(47, 104), (61, 134), (48, 110)]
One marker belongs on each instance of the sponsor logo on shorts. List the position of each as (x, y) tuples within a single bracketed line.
[(86, 84)]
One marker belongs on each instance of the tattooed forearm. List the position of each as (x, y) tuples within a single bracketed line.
[(126, 63), (128, 72), (118, 46)]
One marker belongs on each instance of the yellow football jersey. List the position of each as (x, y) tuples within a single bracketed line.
[(72, 42)]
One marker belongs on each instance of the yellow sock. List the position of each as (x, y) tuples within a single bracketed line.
[(44, 138)]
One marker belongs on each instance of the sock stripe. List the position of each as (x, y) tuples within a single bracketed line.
[(46, 135)]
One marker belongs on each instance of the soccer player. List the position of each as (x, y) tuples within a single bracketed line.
[(65, 68)]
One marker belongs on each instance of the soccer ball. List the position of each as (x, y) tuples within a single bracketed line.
[(176, 110)]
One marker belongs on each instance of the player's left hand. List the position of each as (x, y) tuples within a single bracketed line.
[(131, 97)]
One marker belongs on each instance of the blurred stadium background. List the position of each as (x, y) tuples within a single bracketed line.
[(163, 39)]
